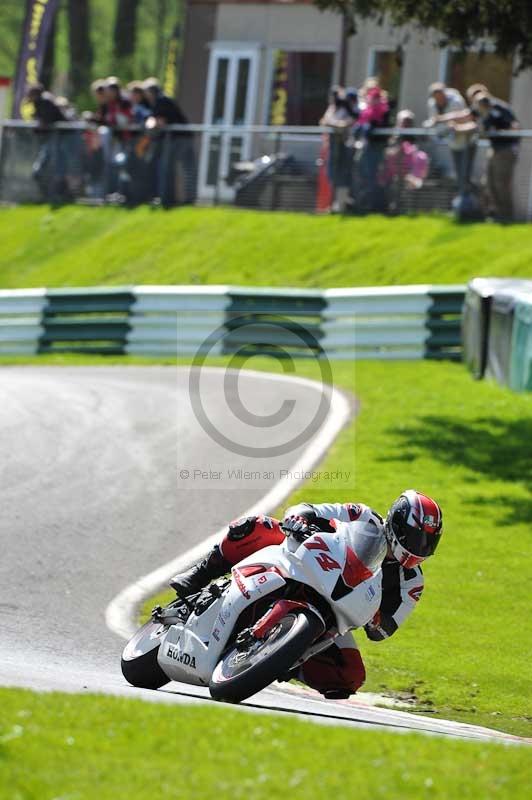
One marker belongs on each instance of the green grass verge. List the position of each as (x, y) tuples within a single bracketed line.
[(68, 746), (465, 653), (76, 246), (80, 360)]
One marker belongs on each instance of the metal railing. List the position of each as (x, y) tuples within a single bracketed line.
[(262, 167)]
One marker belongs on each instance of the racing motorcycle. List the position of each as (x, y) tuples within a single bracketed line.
[(281, 606)]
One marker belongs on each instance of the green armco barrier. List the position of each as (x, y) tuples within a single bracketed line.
[(271, 333), (85, 329), (92, 320), (443, 323), (521, 350), (284, 305), (78, 301), (387, 322)]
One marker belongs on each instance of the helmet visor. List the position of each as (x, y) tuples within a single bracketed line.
[(417, 542)]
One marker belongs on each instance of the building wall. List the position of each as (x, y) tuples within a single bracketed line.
[(303, 26), (275, 24), (200, 24), (272, 26)]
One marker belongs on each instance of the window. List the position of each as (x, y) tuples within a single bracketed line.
[(300, 87), (386, 66), (230, 101), (219, 92), (495, 72)]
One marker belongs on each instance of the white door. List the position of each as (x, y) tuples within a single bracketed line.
[(231, 90)]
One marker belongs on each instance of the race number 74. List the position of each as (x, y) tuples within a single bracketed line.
[(326, 562)]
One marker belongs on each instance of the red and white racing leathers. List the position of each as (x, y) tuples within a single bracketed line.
[(339, 668)]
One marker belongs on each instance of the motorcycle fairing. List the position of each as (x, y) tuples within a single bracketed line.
[(321, 560), (190, 651)]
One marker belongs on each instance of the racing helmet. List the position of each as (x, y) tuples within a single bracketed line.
[(413, 528)]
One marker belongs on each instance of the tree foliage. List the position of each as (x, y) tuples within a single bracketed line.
[(11, 21), (80, 45), (507, 24), (125, 35), (94, 38)]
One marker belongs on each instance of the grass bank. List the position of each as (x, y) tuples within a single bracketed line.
[(68, 746), (75, 246)]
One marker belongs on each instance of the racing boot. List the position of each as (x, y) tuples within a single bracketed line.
[(201, 574)]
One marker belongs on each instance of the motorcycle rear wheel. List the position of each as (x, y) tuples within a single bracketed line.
[(139, 662), (244, 672)]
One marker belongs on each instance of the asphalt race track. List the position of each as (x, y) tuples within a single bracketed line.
[(106, 474)]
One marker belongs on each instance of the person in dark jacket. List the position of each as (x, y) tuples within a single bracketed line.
[(494, 115), (47, 110), (175, 148), (49, 167)]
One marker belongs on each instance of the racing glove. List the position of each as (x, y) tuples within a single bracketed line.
[(296, 526), (380, 627)]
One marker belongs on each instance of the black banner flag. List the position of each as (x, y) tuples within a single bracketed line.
[(37, 24)]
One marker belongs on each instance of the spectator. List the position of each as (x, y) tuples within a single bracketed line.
[(98, 91), (374, 109), (443, 100), (93, 161), (117, 117), (374, 113), (118, 111), (46, 108), (448, 112), (164, 110), (141, 154), (495, 115), (405, 166), (49, 168), (351, 96), (173, 148), (340, 115), (72, 147), (473, 90), (403, 158), (369, 83), (405, 120), (66, 108), (95, 141), (139, 102)]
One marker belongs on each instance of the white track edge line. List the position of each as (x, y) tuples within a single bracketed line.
[(121, 612)]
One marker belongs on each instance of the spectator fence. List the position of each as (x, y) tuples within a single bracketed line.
[(262, 167)]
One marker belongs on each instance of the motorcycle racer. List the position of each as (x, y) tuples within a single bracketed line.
[(409, 534)]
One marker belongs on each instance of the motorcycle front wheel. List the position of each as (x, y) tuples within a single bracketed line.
[(244, 671), (139, 659)]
